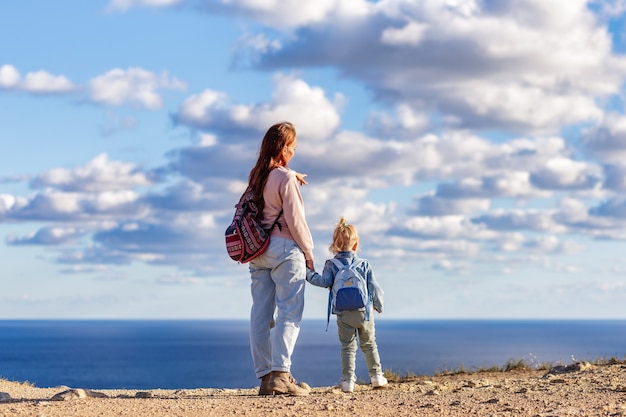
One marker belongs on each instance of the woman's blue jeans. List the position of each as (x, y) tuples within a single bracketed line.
[(278, 277)]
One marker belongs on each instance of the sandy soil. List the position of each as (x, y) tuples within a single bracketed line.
[(576, 390)]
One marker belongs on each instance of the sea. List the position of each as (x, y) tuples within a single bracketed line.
[(187, 354)]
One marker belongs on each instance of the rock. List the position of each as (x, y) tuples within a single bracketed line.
[(76, 394), (575, 367), (477, 383), (558, 381), (5, 396)]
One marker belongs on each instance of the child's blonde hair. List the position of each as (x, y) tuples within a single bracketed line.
[(344, 237)]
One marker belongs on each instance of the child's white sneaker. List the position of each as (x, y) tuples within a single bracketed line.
[(378, 380), (347, 386)]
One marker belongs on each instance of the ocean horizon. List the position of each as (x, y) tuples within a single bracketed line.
[(186, 354)]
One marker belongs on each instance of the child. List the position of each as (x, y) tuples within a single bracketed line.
[(353, 322)]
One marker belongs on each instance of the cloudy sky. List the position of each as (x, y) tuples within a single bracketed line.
[(478, 146)]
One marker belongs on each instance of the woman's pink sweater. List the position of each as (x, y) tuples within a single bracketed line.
[(282, 191)]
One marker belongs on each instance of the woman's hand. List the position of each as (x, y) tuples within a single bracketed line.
[(300, 177), (309, 264)]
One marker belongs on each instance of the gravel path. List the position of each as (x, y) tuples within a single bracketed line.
[(577, 390)]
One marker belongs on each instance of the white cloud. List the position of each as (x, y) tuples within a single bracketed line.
[(38, 82), (48, 236), (6, 202), (100, 174), (200, 109), (406, 122), (518, 105), (116, 87), (572, 211), (72, 206), (444, 227), (545, 68), (411, 34), (530, 219), (564, 173), (9, 76), (249, 47), (314, 115), (134, 86), (498, 184), (287, 14), (43, 82), (207, 139)]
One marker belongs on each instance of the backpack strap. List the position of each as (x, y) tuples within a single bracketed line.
[(339, 265), (330, 306), (248, 195), (276, 221)]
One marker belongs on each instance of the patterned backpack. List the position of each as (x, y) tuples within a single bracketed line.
[(245, 237)]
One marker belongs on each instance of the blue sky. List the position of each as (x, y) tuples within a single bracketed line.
[(478, 146)]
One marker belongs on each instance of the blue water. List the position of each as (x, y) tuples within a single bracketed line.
[(195, 354)]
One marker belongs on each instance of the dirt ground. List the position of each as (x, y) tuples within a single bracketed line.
[(576, 390)]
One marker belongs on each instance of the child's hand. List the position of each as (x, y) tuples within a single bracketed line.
[(300, 177), (377, 310)]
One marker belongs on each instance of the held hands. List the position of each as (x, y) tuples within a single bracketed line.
[(377, 310), (300, 177), (309, 264)]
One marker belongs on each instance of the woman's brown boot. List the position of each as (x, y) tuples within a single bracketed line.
[(283, 383)]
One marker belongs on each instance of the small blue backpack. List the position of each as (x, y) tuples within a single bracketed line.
[(349, 290)]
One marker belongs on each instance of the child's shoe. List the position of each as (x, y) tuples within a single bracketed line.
[(378, 380), (347, 386)]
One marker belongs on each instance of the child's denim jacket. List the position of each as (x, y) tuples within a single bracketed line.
[(327, 277)]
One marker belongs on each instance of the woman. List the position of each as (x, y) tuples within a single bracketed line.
[(279, 274)]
